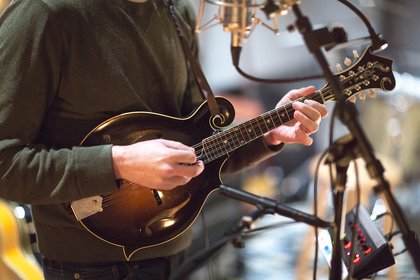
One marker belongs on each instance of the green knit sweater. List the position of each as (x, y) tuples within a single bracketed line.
[(66, 66)]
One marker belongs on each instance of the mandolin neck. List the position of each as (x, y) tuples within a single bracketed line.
[(225, 142)]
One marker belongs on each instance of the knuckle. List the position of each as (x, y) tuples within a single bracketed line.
[(167, 170)]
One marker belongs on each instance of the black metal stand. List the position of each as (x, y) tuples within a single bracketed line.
[(264, 206), (233, 235), (341, 153), (314, 40), (376, 172), (272, 206)]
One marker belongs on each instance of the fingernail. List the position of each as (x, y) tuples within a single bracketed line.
[(297, 103)]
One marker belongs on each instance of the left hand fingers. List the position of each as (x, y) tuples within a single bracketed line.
[(307, 116), (302, 136), (321, 108)]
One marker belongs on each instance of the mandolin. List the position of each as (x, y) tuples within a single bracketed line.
[(137, 217)]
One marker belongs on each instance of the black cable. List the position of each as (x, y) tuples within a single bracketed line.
[(272, 226), (206, 240), (236, 54), (390, 232), (377, 42), (315, 204)]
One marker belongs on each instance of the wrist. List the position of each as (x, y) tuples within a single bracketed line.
[(117, 153)]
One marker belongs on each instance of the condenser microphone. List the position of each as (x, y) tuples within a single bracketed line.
[(237, 17)]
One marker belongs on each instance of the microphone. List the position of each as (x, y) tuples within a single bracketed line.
[(240, 17), (273, 205), (237, 18)]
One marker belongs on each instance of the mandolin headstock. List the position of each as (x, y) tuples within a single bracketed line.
[(369, 72)]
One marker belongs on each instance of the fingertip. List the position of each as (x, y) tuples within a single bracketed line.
[(309, 141), (310, 88)]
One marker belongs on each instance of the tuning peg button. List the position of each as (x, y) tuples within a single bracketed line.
[(372, 94), (339, 67), (352, 99), (347, 61), (362, 95), (355, 54)]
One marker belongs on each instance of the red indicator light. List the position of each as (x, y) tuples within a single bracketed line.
[(347, 245)]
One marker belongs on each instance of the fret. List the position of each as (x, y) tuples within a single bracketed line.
[(247, 136), (229, 140), (203, 155), (276, 118), (235, 132), (250, 130), (226, 142), (242, 140), (257, 120), (279, 117), (284, 115), (207, 148), (260, 122), (272, 122), (267, 122)]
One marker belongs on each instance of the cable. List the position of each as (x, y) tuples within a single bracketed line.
[(206, 240), (390, 232), (315, 204), (378, 43), (236, 53)]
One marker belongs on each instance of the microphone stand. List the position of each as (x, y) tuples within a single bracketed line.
[(233, 235), (264, 206), (273, 206), (314, 39), (342, 152)]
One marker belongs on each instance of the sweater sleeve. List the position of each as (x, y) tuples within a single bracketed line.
[(31, 54)]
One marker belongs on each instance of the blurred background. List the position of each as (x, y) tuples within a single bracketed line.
[(389, 121), (286, 251)]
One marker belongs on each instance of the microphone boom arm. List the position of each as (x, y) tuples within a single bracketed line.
[(273, 206)]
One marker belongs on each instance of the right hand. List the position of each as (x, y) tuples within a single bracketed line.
[(156, 164)]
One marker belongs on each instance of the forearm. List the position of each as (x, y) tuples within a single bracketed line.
[(37, 175)]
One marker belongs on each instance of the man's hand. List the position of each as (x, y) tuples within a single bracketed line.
[(158, 164), (306, 120)]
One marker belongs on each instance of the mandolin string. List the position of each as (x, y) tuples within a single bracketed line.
[(119, 193), (117, 199), (215, 145), (257, 123), (213, 142), (216, 142)]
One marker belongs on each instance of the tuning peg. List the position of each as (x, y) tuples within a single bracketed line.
[(356, 54), (362, 95), (372, 94), (352, 99), (339, 67), (347, 61)]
